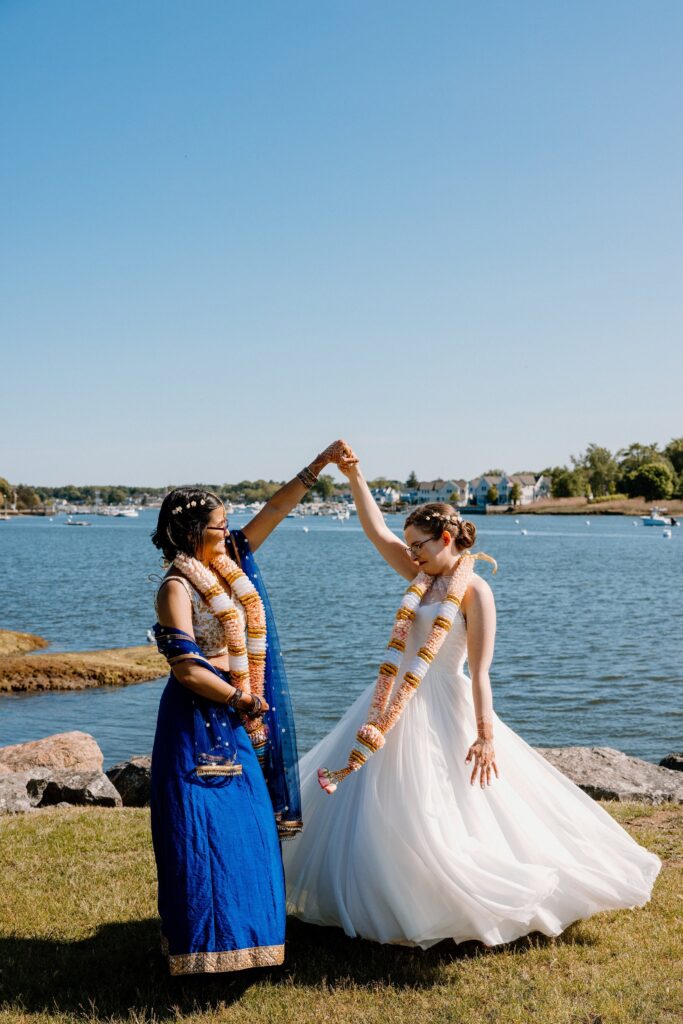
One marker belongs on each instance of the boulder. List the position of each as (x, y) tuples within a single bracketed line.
[(673, 761), (607, 774), (87, 788), (14, 796), (28, 790), (76, 751), (132, 779)]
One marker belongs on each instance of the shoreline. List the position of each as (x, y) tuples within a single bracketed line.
[(22, 672)]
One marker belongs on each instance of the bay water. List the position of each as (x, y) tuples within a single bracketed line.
[(589, 646)]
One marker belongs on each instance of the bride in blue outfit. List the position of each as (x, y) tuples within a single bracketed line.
[(225, 784)]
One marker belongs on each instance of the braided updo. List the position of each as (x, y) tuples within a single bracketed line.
[(436, 517)]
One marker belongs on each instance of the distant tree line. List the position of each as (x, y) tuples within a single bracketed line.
[(639, 471)]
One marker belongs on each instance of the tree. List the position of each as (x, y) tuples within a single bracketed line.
[(5, 488), (116, 496), (601, 469), (324, 486), (631, 460), (567, 483), (674, 453), (515, 494), (26, 497), (412, 483), (651, 481), (492, 495)]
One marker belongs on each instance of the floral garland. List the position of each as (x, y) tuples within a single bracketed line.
[(247, 655), (385, 709)]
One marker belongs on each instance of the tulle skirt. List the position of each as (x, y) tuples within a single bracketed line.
[(408, 851)]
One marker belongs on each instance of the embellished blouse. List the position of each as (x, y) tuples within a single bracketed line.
[(208, 632)]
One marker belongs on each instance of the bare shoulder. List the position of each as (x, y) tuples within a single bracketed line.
[(173, 592), (478, 597)]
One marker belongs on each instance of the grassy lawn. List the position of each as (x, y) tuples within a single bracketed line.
[(79, 941)]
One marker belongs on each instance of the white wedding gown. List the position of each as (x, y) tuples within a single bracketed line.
[(408, 851)]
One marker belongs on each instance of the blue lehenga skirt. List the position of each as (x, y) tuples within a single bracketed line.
[(219, 867)]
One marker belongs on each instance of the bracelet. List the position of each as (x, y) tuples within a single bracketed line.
[(256, 707), (307, 477), (234, 698)]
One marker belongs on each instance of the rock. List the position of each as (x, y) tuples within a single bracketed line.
[(28, 790), (72, 750), (607, 774), (673, 762), (14, 797), (12, 642), (90, 788), (132, 779), (74, 670)]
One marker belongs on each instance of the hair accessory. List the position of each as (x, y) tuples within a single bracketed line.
[(202, 502), (176, 510)]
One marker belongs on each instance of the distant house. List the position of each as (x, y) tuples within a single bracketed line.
[(531, 487), (480, 487), (385, 495), (543, 488), (452, 491), (527, 488)]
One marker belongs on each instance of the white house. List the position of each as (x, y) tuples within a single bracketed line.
[(452, 491), (479, 488), (527, 488), (543, 488)]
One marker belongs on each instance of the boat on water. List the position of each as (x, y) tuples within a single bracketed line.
[(81, 522), (658, 517), (127, 513)]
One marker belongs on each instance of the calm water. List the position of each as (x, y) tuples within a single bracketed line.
[(589, 647)]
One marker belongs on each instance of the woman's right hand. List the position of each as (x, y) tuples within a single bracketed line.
[(246, 703)]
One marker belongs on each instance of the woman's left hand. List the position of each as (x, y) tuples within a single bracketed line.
[(484, 760)]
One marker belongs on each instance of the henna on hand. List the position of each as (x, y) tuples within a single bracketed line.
[(337, 452)]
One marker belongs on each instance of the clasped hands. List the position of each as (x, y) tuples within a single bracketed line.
[(339, 452)]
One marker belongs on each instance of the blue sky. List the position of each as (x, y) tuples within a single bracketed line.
[(449, 232)]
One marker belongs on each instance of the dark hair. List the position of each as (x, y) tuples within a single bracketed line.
[(182, 532), (437, 516)]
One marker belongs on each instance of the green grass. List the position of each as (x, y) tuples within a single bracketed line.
[(79, 941)]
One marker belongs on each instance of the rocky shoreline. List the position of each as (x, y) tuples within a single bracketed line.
[(22, 672), (67, 769)]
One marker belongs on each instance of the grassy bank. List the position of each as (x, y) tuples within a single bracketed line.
[(79, 941), (580, 506), (79, 670)]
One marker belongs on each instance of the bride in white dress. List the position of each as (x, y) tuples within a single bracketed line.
[(438, 836)]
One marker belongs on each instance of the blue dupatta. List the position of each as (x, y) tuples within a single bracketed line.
[(215, 745), (279, 760)]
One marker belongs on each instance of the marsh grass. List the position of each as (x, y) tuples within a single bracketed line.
[(79, 941)]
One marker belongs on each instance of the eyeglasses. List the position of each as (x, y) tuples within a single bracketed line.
[(414, 549), (223, 528)]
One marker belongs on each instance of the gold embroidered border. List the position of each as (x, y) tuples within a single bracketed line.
[(224, 960), (289, 829)]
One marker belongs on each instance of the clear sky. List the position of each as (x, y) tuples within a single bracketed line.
[(230, 232)]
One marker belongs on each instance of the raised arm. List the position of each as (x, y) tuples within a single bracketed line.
[(283, 501), (391, 548)]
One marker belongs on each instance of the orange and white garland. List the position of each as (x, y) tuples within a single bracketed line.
[(385, 709), (247, 655)]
